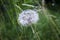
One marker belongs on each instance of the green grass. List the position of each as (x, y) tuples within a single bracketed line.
[(47, 28)]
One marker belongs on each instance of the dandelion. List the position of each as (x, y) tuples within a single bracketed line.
[(28, 17)]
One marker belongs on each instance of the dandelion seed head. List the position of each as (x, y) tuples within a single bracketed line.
[(28, 17)]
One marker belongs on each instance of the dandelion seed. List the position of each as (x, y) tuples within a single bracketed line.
[(28, 17)]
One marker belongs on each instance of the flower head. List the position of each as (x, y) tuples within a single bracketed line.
[(28, 17)]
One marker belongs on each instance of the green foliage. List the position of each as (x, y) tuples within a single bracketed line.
[(47, 28)]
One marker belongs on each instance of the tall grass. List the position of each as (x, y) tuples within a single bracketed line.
[(47, 28)]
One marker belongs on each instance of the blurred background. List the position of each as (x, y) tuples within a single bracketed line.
[(47, 28)]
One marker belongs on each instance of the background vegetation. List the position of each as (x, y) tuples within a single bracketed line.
[(47, 28)]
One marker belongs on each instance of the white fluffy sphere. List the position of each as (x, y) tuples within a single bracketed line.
[(28, 17)]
